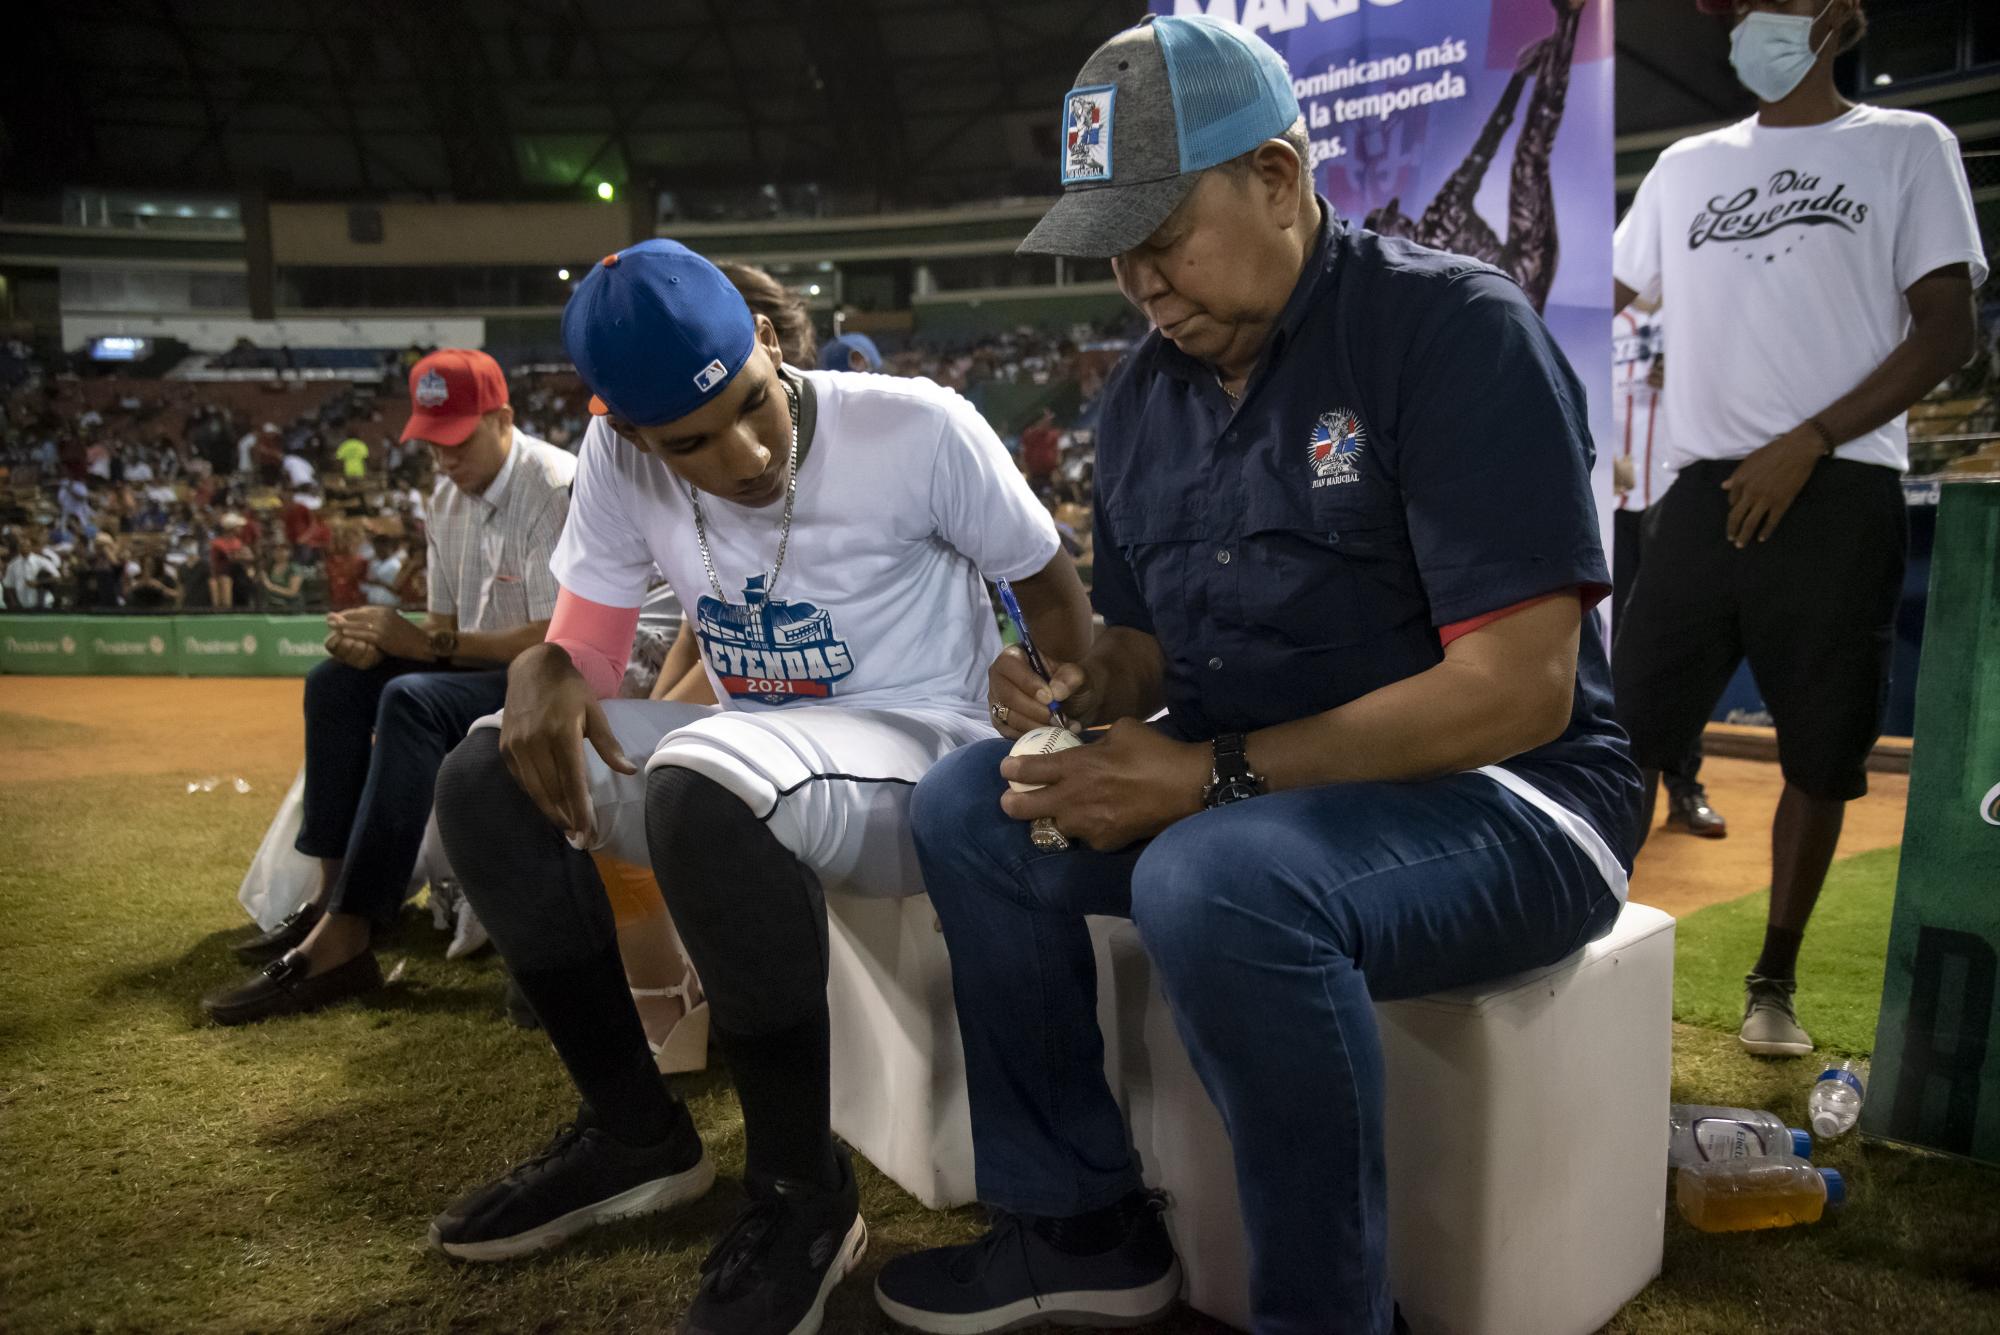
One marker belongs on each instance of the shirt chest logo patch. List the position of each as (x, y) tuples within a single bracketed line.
[(1338, 439), (1087, 134), (771, 651), (1767, 222)]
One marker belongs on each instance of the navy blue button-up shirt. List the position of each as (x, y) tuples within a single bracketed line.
[(1412, 451)]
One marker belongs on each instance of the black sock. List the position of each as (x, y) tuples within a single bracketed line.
[(753, 919), (587, 1012), (1781, 953), (781, 1079)]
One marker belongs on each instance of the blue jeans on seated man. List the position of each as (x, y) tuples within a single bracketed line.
[(1274, 925), (374, 740)]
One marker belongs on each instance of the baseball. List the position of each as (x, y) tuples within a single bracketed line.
[(1041, 742)]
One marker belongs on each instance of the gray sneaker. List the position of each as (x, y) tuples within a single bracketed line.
[(1770, 1025)]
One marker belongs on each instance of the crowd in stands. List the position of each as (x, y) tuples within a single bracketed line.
[(285, 494), (173, 495)]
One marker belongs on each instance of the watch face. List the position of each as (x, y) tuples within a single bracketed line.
[(1230, 790)]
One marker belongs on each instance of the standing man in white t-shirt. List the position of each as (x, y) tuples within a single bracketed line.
[(1819, 259), (829, 533), (1636, 474)]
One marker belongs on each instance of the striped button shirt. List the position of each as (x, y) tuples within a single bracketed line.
[(489, 554)]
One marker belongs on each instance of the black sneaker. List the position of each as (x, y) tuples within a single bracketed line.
[(1689, 810), (287, 935), (1015, 1276), (772, 1271), (581, 1178)]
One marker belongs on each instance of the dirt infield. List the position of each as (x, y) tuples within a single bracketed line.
[(1680, 873), (68, 727), (80, 727)]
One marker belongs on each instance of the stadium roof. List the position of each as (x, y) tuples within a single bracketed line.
[(914, 101), (730, 104)]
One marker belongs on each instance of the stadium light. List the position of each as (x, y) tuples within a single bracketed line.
[(563, 274), (813, 291), (605, 191)]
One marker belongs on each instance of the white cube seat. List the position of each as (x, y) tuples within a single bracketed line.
[(1526, 1117)]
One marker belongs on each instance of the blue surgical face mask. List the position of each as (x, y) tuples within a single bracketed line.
[(1773, 53)]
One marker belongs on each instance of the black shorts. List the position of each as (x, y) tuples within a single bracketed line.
[(1813, 609)]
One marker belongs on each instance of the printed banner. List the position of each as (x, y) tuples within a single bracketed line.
[(1937, 1044), (131, 646), (152, 646), (48, 645), (1482, 127)]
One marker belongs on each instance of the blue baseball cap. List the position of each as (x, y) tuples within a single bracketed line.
[(1152, 109), (656, 331), (834, 356)]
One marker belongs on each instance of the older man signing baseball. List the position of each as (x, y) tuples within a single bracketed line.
[(1345, 536)]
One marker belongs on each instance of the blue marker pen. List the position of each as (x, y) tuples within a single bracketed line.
[(1028, 645)]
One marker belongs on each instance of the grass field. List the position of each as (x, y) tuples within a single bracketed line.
[(164, 1176)]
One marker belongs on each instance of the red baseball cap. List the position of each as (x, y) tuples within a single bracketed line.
[(450, 390)]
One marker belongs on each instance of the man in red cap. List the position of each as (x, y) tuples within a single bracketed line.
[(394, 697)]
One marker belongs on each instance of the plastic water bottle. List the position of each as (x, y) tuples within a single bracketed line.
[(1834, 1105), (1756, 1193), (1720, 1135)]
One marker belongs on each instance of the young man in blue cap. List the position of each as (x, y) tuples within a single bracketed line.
[(829, 534), (1345, 534)]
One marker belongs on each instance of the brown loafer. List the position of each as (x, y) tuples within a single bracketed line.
[(282, 987), (287, 935)]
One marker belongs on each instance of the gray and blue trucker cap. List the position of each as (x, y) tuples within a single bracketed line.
[(1156, 106)]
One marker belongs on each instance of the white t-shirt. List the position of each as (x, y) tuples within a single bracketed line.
[(1636, 338), (1784, 255), (380, 587), (298, 470), (905, 500), (23, 573)]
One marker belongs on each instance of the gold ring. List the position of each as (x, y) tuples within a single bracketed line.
[(1000, 714), (1046, 836)]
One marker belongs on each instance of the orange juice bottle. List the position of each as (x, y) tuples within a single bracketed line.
[(1738, 1194)]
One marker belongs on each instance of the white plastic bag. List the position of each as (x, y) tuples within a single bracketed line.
[(280, 877)]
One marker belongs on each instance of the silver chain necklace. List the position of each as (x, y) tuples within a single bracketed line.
[(791, 496)]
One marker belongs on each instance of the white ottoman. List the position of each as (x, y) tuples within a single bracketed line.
[(898, 1064), (1527, 1117), (1526, 1137)]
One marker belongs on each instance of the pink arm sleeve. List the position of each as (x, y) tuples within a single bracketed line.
[(598, 639)]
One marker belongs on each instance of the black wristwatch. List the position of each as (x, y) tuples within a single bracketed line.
[(444, 643), (1231, 779)]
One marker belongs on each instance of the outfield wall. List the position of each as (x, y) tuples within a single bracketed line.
[(207, 645)]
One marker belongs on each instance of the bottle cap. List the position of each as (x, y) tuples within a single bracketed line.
[(1836, 1188), (1801, 1142), (1826, 1124)]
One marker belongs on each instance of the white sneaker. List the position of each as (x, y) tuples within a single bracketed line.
[(467, 937)]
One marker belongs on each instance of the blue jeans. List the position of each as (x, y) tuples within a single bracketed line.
[(374, 741), (1274, 925)]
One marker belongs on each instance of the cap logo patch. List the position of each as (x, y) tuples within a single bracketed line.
[(432, 390), (709, 376), (1087, 134)]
